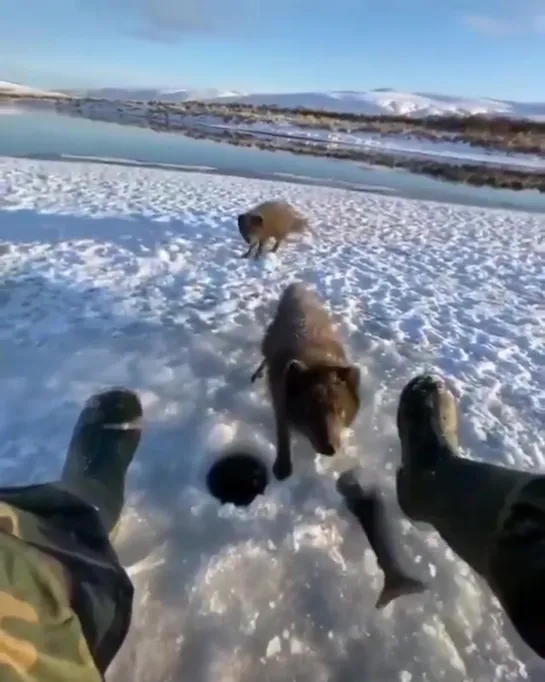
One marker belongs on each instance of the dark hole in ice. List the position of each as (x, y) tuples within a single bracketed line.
[(237, 478)]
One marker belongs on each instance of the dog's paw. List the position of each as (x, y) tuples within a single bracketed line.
[(282, 470)]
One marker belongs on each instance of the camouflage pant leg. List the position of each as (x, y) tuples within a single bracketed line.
[(65, 601), (516, 569), (41, 639)]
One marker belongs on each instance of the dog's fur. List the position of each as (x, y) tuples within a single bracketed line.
[(314, 388), (269, 220)]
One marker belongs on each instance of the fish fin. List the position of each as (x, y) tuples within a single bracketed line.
[(397, 587)]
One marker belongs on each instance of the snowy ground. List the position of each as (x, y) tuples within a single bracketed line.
[(113, 275)]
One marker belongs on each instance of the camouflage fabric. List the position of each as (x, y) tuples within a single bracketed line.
[(65, 601)]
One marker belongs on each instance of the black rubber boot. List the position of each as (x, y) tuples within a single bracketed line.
[(102, 447), (462, 499), (493, 517), (516, 569), (427, 424)]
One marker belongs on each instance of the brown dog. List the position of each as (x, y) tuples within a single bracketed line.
[(269, 220), (314, 389)]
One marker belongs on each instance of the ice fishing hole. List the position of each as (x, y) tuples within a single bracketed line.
[(237, 478)]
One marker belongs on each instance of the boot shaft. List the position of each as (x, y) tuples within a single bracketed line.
[(101, 450), (465, 501)]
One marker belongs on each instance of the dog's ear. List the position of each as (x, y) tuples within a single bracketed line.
[(350, 375), (294, 377)]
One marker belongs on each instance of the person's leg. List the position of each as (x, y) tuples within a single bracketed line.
[(516, 570), (493, 517), (101, 449)]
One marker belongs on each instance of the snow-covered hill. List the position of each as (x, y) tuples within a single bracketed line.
[(146, 94), (385, 101), (18, 89), (381, 101), (372, 102)]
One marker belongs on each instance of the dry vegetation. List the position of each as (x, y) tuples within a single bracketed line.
[(499, 132), (478, 175), (494, 133)]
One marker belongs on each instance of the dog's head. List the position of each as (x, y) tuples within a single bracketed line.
[(321, 401), (249, 225)]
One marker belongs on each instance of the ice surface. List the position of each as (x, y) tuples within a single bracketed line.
[(115, 275)]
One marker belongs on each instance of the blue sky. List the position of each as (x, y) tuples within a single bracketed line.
[(493, 48)]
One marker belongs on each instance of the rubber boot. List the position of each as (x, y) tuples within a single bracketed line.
[(492, 517), (101, 449)]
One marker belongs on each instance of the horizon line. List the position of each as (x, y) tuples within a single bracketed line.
[(245, 93)]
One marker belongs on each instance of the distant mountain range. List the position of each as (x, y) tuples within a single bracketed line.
[(373, 102), (396, 103), (18, 89), (146, 94)]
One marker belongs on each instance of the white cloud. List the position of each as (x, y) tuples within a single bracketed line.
[(526, 17), (490, 25), (168, 20), (539, 23)]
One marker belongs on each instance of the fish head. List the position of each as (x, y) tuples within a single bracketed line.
[(249, 225), (321, 401)]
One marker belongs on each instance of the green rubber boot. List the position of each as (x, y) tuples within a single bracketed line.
[(491, 516), (101, 450)]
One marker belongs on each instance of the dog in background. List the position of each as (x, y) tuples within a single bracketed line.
[(270, 220)]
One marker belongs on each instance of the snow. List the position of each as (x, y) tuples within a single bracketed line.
[(384, 101), (18, 89), (396, 103), (165, 95), (116, 275)]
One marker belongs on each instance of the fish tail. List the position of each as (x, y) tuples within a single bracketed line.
[(397, 586)]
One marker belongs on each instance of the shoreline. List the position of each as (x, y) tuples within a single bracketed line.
[(308, 181), (209, 170), (474, 174), (190, 121)]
